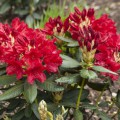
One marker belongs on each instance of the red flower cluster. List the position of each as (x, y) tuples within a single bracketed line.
[(97, 38), (27, 52), (85, 28), (55, 26)]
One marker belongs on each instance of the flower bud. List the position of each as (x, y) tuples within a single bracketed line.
[(43, 110)]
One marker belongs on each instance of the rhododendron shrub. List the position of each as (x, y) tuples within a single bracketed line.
[(55, 64)]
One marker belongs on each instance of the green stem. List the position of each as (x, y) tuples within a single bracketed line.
[(99, 97), (80, 94)]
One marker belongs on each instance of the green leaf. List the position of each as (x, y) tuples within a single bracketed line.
[(72, 95), (30, 92), (73, 44), (19, 115), (103, 115), (35, 110), (102, 69), (21, 12), (69, 62), (29, 20), (36, 16), (103, 104), (74, 78), (98, 86), (118, 99), (28, 111), (84, 73), (65, 39), (88, 74), (89, 106), (4, 8), (6, 80), (78, 115), (92, 74), (13, 104), (2, 72), (50, 86), (12, 92), (119, 115)]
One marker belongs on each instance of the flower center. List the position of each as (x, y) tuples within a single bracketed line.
[(117, 57)]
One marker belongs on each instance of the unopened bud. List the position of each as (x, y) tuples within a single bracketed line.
[(43, 110)]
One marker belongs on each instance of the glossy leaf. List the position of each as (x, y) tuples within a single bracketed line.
[(72, 95), (35, 110), (30, 92), (28, 111), (50, 86), (19, 115), (102, 69), (78, 115), (103, 115), (69, 62), (73, 44), (6, 80), (98, 86), (4, 8), (12, 92), (84, 73), (65, 39), (88, 74), (74, 78)]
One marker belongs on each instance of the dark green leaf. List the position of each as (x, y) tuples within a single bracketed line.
[(21, 12), (103, 115), (6, 80), (118, 99), (30, 92), (13, 103), (89, 106), (69, 62), (103, 104), (102, 69), (119, 115), (2, 72), (98, 86), (4, 8), (35, 110), (50, 86), (19, 115), (72, 95), (51, 107), (12, 92), (74, 78), (28, 111), (78, 115)]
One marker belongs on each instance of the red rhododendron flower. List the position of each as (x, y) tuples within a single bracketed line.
[(27, 51), (56, 26), (98, 36)]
